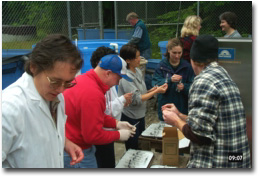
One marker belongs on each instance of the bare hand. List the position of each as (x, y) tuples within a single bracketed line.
[(170, 117), (180, 86), (170, 107), (176, 78), (162, 89), (74, 151), (128, 98)]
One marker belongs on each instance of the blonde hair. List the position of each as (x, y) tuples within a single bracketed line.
[(131, 15), (190, 26)]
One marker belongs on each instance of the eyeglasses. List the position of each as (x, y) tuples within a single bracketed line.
[(57, 84)]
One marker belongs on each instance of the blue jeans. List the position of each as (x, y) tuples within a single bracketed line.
[(147, 53), (89, 160)]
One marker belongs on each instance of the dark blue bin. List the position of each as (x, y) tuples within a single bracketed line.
[(12, 69), (8, 53), (163, 45), (108, 34), (153, 63)]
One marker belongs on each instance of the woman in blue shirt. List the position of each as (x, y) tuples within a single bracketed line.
[(178, 74)]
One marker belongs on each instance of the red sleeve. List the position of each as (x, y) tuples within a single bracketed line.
[(93, 119), (110, 122)]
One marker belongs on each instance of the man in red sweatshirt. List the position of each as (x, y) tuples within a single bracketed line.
[(85, 107)]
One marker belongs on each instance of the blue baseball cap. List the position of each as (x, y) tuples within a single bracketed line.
[(116, 64)]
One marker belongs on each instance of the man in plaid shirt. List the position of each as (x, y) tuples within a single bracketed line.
[(216, 123)]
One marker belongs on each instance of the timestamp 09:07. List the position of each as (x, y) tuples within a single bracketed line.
[(235, 157)]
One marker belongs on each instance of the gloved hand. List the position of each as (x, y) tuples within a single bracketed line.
[(125, 125), (125, 134)]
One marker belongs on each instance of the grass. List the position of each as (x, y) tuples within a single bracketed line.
[(19, 44)]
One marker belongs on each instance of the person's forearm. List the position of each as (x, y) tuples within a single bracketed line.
[(183, 116), (148, 95), (67, 142), (180, 124)]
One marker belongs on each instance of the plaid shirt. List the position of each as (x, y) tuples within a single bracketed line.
[(216, 112)]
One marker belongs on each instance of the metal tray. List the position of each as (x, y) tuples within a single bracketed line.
[(135, 159), (155, 130)]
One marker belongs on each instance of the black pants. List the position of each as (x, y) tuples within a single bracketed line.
[(105, 155), (132, 142)]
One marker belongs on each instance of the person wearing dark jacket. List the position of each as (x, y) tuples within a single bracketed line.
[(140, 35), (178, 74)]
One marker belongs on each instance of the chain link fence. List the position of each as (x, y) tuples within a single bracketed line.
[(164, 19), (24, 23)]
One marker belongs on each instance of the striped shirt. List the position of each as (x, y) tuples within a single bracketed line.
[(138, 32), (216, 112)]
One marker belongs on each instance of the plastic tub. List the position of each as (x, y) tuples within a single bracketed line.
[(125, 34), (12, 69), (163, 45), (90, 34), (153, 63), (87, 47), (108, 34), (8, 53)]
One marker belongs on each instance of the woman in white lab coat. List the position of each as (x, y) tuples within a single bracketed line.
[(33, 112)]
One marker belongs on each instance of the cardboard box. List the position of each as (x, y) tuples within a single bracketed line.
[(170, 145)]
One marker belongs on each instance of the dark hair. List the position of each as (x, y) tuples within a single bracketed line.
[(128, 52), (230, 17), (172, 43), (99, 53), (53, 48)]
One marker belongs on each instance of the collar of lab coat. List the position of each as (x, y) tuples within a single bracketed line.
[(32, 93)]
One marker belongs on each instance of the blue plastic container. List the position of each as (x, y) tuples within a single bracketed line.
[(108, 34), (12, 65), (8, 53), (125, 34), (12, 70), (163, 45), (153, 63), (90, 34), (87, 47)]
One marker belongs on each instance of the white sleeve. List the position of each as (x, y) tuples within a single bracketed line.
[(114, 104), (12, 126)]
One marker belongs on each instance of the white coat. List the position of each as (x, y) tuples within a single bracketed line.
[(114, 104), (30, 138)]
